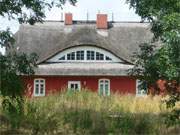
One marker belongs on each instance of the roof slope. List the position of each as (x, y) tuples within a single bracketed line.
[(81, 69), (47, 39)]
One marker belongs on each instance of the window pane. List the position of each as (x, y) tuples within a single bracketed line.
[(37, 81), (42, 81), (68, 56), (101, 89), (41, 89), (102, 81), (37, 89), (106, 81), (72, 86), (62, 58), (73, 56), (80, 55), (106, 87), (90, 55), (99, 56), (107, 58), (76, 86)]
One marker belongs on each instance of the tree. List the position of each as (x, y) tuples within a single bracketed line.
[(13, 65), (161, 63)]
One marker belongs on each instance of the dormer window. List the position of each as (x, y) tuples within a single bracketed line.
[(84, 54)]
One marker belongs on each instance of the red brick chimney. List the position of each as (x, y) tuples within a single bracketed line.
[(68, 19), (101, 21)]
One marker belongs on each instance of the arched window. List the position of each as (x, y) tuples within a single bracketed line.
[(39, 87), (104, 87), (84, 54)]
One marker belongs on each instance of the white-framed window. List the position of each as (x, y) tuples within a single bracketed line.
[(141, 88), (79, 55), (104, 87), (39, 87), (85, 54), (99, 56), (90, 55), (74, 85), (71, 56)]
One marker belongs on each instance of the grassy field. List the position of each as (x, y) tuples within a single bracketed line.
[(87, 113)]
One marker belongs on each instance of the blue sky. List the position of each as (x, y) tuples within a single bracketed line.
[(119, 8)]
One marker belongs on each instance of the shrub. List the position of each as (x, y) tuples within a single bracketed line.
[(40, 117), (13, 110)]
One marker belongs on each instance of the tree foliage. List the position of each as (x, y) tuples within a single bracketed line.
[(163, 62), (30, 11), (13, 65)]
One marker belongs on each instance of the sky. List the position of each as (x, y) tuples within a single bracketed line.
[(119, 8)]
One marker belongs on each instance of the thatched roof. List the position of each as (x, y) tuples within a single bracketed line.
[(47, 39), (81, 69)]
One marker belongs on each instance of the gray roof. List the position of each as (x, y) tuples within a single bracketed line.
[(49, 38), (81, 69)]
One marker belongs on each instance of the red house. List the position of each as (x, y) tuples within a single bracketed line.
[(82, 54)]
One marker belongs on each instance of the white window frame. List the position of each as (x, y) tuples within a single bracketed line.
[(39, 84), (137, 89), (74, 82), (80, 55), (90, 54), (85, 49), (99, 83)]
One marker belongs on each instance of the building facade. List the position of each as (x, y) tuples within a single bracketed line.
[(76, 55)]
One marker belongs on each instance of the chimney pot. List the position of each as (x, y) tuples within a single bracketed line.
[(68, 19), (101, 21)]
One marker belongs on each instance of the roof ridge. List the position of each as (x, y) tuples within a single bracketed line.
[(94, 21)]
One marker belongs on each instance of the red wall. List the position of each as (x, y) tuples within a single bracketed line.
[(57, 83)]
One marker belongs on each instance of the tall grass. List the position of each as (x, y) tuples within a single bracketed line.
[(88, 113)]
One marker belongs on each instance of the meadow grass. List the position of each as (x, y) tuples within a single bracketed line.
[(88, 113)]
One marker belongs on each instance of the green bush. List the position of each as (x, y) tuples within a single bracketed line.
[(13, 111), (40, 118)]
